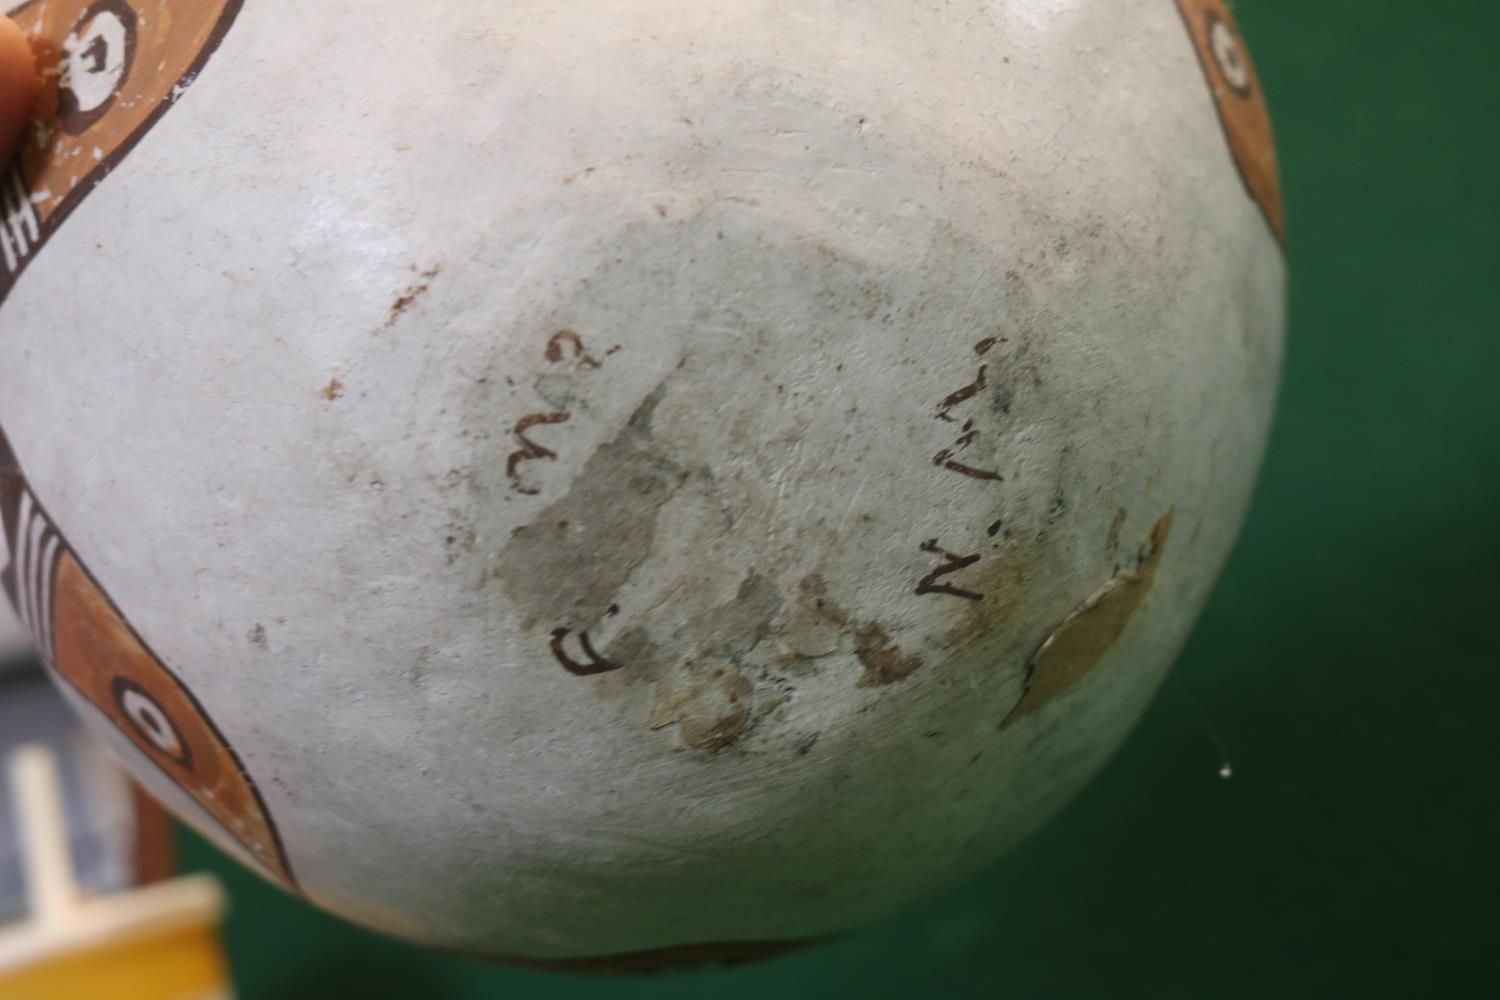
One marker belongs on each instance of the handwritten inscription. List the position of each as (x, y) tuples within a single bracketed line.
[(583, 357), (592, 663), (931, 583), (564, 345), (573, 649), (937, 581), (530, 451), (968, 432)]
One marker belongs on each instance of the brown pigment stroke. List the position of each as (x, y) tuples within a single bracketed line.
[(530, 451), (929, 583)]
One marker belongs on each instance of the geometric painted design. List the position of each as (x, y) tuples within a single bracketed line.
[(118, 67), (86, 641), (1240, 101)]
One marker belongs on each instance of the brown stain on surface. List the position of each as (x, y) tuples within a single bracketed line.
[(590, 663), (333, 390), (413, 292), (1078, 645), (711, 710), (712, 703), (883, 660), (714, 717)]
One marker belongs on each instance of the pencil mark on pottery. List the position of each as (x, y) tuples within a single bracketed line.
[(947, 458), (554, 352), (958, 396), (713, 716), (592, 663), (557, 350), (530, 451), (930, 584)]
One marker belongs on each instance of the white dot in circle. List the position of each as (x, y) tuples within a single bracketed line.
[(93, 63), (1230, 56), (152, 722)]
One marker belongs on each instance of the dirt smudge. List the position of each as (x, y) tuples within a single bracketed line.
[(413, 292), (882, 659), (710, 695), (711, 713)]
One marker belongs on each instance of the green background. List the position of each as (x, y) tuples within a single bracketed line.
[(1347, 661)]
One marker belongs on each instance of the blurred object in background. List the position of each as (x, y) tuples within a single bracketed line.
[(118, 839), (67, 939), (15, 645), (78, 841)]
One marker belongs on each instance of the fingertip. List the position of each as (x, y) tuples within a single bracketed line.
[(19, 84)]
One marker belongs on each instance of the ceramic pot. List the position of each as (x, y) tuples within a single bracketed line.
[(562, 480)]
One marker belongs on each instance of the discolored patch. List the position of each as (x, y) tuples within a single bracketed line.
[(814, 626), (1072, 651), (883, 660), (635, 648), (709, 699), (736, 626), (565, 567), (710, 708)]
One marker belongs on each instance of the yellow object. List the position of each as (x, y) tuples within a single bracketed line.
[(157, 943)]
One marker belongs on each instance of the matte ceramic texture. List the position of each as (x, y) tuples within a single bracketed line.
[(571, 479)]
